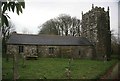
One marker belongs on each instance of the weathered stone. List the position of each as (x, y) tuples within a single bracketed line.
[(96, 27), (58, 51)]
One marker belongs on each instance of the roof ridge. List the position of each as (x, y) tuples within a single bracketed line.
[(33, 39), (45, 35)]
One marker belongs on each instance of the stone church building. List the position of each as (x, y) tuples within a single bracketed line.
[(49, 46), (96, 28), (94, 40)]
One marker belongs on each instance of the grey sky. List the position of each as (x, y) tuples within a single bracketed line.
[(39, 11), (119, 19)]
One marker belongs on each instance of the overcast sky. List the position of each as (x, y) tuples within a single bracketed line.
[(36, 12)]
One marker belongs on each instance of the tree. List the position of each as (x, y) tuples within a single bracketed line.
[(6, 34), (9, 5), (65, 21), (75, 27), (114, 43), (49, 27), (62, 25)]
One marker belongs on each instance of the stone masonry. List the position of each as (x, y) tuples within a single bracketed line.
[(96, 27)]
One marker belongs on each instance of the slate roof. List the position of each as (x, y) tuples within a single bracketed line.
[(23, 39)]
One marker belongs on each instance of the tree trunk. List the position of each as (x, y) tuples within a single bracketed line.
[(15, 67), (4, 49)]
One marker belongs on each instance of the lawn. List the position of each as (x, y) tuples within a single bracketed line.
[(0, 66), (54, 68)]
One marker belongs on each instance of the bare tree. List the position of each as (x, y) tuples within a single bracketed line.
[(62, 25), (75, 27), (65, 21)]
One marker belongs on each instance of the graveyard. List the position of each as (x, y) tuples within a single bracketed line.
[(55, 68)]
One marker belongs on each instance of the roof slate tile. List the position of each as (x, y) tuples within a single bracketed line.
[(21, 39)]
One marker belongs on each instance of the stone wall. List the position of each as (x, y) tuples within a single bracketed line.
[(96, 28), (30, 50), (43, 51), (59, 51), (11, 49)]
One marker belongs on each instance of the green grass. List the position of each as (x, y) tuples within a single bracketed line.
[(0, 58), (54, 68)]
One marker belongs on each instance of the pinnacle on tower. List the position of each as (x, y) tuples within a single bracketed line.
[(108, 8), (82, 13), (92, 6)]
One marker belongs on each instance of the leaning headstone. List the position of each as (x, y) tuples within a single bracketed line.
[(105, 58)]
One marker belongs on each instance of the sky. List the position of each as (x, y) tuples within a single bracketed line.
[(37, 12), (119, 19)]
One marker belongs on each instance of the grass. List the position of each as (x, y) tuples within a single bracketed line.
[(0, 58), (54, 68)]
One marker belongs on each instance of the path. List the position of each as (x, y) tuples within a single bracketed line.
[(113, 73)]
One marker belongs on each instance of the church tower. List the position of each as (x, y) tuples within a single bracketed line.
[(96, 27)]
